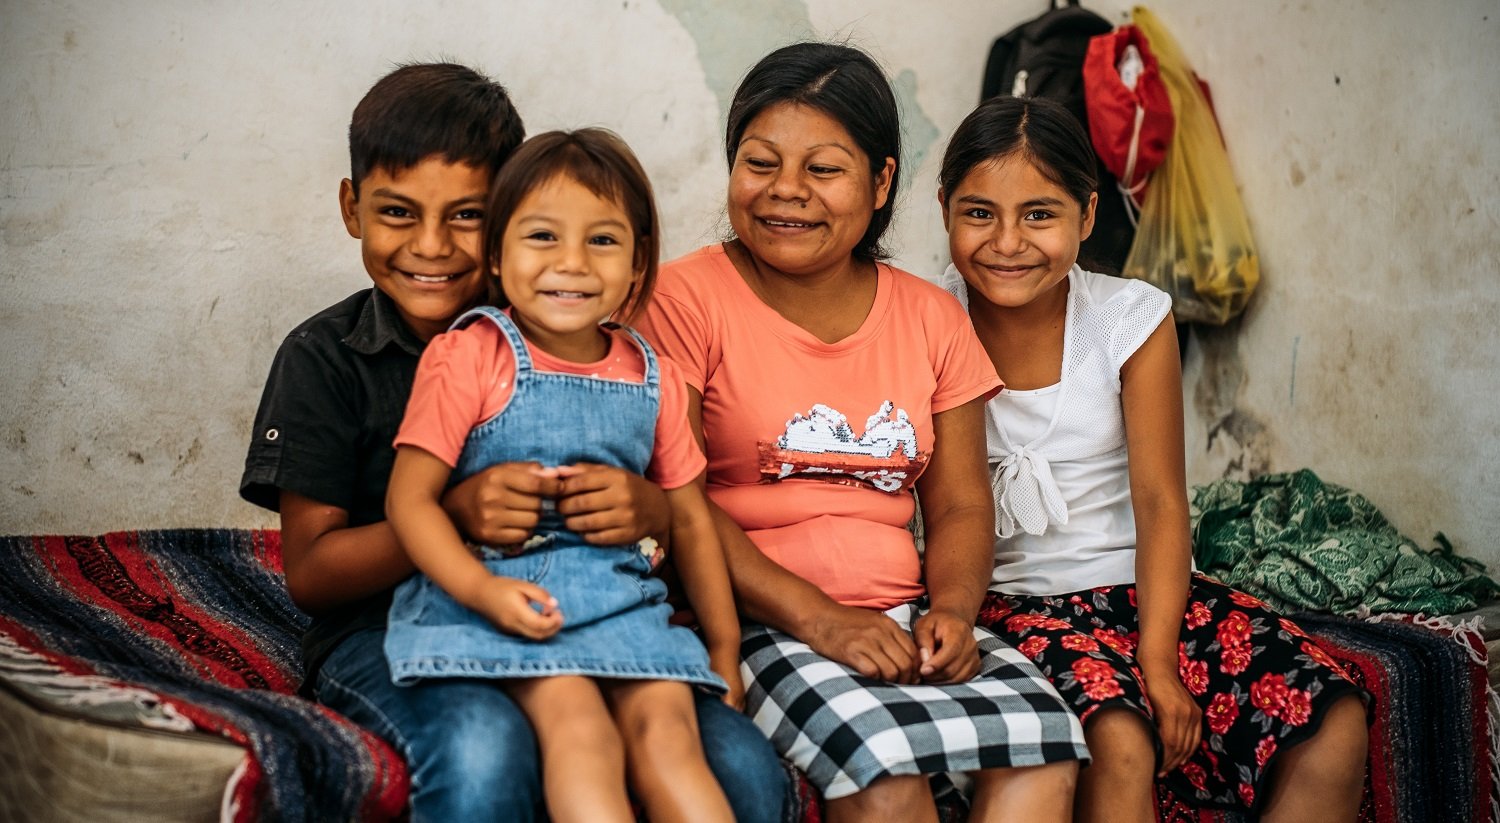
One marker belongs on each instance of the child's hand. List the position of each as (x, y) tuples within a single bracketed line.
[(502, 504), (507, 603), (608, 505), (726, 664), (946, 648), (1179, 721)]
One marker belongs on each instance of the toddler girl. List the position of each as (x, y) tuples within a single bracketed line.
[(583, 642), (1093, 577)]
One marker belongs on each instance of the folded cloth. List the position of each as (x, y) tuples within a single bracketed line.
[(189, 629), (1304, 545)]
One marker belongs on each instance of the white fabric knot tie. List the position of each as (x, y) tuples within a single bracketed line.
[(1026, 495)]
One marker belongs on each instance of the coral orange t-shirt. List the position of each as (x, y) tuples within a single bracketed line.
[(813, 447), (466, 377)]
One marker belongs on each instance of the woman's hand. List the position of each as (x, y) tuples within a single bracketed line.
[(1179, 721), (867, 641), (946, 647), (502, 504), (611, 506), (508, 604), (726, 664)]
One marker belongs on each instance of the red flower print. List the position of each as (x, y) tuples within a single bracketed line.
[(1115, 641), (1194, 674), (1298, 707), (1264, 749), (1033, 646), (1130, 592), (1222, 712), (1234, 630), (1322, 658), (1021, 622), (1247, 794), (1079, 643), (1195, 775), (1269, 694), (1235, 659), (1102, 689), (1197, 615), (993, 611), (1089, 669), (1242, 599), (1208, 754), (1292, 628)]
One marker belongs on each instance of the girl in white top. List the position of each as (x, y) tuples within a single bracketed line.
[(1093, 577)]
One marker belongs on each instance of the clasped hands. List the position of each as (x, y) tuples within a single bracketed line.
[(502, 505), (939, 649), (607, 505)]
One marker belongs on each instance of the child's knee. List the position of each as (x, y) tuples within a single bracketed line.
[(1121, 742), (666, 726), (1342, 744)]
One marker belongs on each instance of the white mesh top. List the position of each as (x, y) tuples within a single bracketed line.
[(1063, 518)]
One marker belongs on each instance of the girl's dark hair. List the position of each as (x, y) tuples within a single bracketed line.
[(600, 162), (843, 83), (1040, 130), (422, 110)]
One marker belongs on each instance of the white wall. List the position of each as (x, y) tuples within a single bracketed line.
[(167, 212)]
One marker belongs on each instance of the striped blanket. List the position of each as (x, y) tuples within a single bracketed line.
[(189, 629), (1432, 745), (192, 629)]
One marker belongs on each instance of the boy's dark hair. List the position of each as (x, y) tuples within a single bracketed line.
[(843, 83), (1035, 128), (600, 162), (425, 109)]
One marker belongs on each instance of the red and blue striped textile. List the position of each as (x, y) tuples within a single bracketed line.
[(199, 622)]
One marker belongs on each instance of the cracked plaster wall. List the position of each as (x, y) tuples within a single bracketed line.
[(167, 213)]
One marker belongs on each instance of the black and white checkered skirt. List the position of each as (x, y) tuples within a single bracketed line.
[(845, 730)]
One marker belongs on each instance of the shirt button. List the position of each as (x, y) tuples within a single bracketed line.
[(272, 434)]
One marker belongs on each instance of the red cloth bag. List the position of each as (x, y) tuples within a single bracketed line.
[(1130, 116)]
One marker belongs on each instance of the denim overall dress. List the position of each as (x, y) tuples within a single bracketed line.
[(614, 613)]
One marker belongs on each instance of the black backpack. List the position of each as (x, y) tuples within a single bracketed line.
[(1043, 57)]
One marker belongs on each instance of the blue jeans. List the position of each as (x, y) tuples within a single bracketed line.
[(472, 754)]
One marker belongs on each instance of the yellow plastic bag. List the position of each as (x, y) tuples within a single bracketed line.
[(1193, 241)]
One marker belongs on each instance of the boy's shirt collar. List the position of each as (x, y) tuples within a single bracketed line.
[(380, 325)]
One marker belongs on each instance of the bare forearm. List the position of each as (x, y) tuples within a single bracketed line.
[(701, 568), (957, 512), (345, 565), (1163, 576), (959, 558), (765, 592), (432, 542)]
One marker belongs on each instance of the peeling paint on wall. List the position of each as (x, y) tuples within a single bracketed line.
[(1238, 442)]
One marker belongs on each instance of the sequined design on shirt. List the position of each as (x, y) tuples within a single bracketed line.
[(820, 444)]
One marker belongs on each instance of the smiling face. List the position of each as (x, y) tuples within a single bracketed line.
[(419, 235), (1012, 233), (801, 192), (567, 262)]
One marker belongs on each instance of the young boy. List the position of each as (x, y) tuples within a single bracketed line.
[(424, 144)]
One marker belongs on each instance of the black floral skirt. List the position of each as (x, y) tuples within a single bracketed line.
[(1263, 684)]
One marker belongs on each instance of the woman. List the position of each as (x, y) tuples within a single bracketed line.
[(862, 662)]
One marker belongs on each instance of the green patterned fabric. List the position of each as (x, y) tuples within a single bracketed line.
[(1304, 545)]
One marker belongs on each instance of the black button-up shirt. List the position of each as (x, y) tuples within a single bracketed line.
[(327, 418)]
